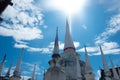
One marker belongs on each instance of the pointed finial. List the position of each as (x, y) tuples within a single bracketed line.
[(8, 72), (33, 74), (100, 48), (67, 24), (85, 49), (88, 68), (68, 40), (105, 66), (56, 46), (18, 66), (115, 75), (87, 58), (103, 59)]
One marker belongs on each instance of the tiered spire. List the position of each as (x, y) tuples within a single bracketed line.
[(33, 74), (56, 46), (104, 61), (68, 40), (16, 73), (115, 75), (88, 67), (2, 64), (89, 75), (106, 69)]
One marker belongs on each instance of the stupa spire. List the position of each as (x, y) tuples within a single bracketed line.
[(89, 75), (115, 75), (8, 72), (104, 60), (56, 46), (2, 64), (105, 66), (16, 73), (68, 40), (33, 74), (87, 59)]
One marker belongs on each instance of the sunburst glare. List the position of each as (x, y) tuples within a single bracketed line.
[(68, 7)]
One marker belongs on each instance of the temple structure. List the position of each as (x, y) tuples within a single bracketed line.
[(66, 65)]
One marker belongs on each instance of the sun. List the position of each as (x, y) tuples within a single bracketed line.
[(69, 7)]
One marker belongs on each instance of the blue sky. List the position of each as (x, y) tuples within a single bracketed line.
[(32, 24)]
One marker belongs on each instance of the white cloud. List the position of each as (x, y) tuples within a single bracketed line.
[(29, 69), (22, 22), (89, 49), (33, 49), (16, 45), (77, 44), (113, 51), (114, 27), (51, 45), (21, 33), (24, 12), (46, 50), (61, 45), (109, 47), (42, 50)]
